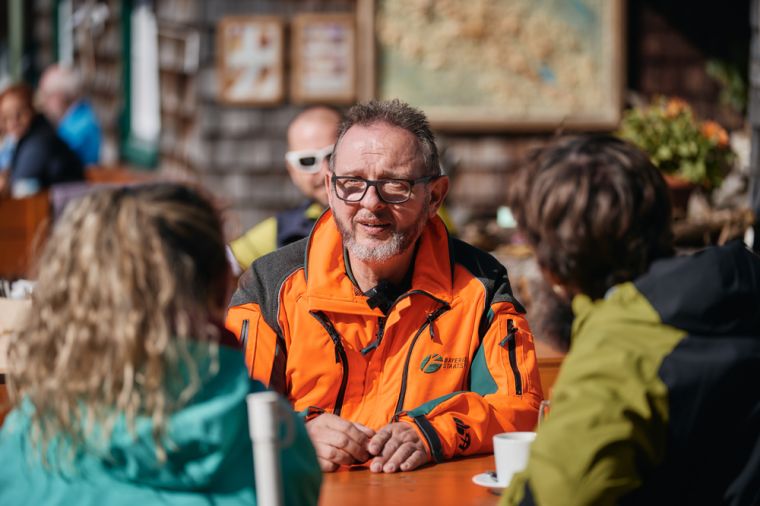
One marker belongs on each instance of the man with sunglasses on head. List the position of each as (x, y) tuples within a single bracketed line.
[(311, 136), (398, 344)]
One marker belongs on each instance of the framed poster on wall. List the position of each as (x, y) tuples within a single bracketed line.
[(323, 58), (250, 60), (496, 64)]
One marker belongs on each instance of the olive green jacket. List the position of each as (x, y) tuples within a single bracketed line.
[(658, 400)]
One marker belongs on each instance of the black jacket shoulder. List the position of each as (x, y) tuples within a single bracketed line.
[(489, 271)]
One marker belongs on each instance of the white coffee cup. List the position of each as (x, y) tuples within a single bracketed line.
[(511, 450)]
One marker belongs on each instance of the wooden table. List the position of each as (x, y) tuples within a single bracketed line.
[(446, 484)]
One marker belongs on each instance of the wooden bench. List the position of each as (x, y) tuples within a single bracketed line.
[(549, 362), (116, 175), (548, 369), (22, 223)]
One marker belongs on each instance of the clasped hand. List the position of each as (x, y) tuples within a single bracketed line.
[(396, 446)]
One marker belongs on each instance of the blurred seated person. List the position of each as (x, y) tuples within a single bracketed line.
[(657, 399), (60, 99), (7, 147), (127, 389), (311, 137), (40, 158)]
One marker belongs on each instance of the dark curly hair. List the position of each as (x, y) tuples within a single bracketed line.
[(595, 209)]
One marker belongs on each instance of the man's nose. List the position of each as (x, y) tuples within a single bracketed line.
[(371, 199)]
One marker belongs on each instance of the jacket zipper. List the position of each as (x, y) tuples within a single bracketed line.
[(378, 337), (244, 335), (428, 321), (340, 356), (512, 350)]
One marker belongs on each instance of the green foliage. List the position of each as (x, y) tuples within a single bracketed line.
[(733, 85), (678, 143)]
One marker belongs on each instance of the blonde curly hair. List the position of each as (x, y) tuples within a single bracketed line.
[(128, 278)]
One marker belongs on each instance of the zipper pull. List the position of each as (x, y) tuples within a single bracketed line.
[(511, 331), (378, 337), (433, 317)]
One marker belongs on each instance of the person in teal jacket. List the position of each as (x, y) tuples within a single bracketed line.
[(127, 388), (657, 399)]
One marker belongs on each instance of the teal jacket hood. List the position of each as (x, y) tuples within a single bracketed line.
[(198, 438)]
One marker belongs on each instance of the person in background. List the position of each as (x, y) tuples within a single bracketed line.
[(657, 399), (60, 98), (7, 147), (127, 388), (40, 157), (398, 344), (311, 136)]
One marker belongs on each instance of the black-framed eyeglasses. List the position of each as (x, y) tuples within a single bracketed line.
[(390, 191)]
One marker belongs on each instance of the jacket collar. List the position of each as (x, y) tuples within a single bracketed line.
[(329, 288)]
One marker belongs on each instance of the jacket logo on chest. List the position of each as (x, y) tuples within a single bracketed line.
[(433, 362)]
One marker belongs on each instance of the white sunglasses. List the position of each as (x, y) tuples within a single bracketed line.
[(309, 160)]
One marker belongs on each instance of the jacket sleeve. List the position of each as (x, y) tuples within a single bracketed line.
[(301, 475), (504, 395), (264, 350), (254, 314), (605, 433)]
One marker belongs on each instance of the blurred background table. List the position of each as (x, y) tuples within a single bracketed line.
[(446, 484)]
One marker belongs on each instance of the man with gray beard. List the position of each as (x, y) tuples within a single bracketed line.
[(398, 344)]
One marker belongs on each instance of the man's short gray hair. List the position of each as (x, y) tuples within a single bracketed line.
[(399, 114), (62, 79)]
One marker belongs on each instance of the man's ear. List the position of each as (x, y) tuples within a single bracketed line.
[(564, 291), (439, 188)]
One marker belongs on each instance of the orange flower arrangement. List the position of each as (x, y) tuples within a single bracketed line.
[(679, 144), (715, 132)]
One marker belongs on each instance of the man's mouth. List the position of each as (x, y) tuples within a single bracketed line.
[(373, 227)]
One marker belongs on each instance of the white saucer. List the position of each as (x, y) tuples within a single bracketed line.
[(489, 480)]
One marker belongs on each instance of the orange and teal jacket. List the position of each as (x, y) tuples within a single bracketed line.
[(453, 355)]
